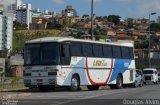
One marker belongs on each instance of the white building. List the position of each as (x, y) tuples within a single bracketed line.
[(1, 7), (18, 3), (13, 8), (46, 12), (23, 15), (158, 19), (6, 32)]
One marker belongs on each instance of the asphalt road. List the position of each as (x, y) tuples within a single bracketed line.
[(147, 95)]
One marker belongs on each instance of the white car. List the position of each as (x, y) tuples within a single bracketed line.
[(150, 75), (138, 79), (159, 77)]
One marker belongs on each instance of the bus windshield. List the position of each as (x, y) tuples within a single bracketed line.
[(41, 54)]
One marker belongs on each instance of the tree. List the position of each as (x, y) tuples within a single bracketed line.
[(20, 26), (155, 27), (114, 18), (4, 53), (129, 23), (95, 31), (58, 26)]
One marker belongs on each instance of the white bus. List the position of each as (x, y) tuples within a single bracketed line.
[(55, 61)]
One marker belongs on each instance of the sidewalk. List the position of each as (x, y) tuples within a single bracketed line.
[(13, 93)]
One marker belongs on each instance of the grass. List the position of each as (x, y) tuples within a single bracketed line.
[(11, 83), (11, 86), (20, 36)]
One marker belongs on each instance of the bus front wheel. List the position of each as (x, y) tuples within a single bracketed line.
[(119, 82), (75, 83)]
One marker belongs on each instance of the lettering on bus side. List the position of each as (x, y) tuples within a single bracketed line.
[(99, 63)]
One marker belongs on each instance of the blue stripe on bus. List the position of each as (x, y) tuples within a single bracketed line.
[(121, 65)]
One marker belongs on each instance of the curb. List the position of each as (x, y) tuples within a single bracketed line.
[(15, 96), (10, 90)]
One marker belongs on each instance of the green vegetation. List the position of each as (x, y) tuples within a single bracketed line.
[(20, 36), (114, 18), (140, 66), (19, 26), (101, 37), (12, 85), (155, 27)]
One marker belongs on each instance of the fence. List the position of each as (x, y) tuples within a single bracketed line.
[(144, 63)]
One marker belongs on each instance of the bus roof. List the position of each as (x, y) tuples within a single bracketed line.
[(63, 39)]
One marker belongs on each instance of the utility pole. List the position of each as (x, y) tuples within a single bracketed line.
[(149, 50), (92, 20)]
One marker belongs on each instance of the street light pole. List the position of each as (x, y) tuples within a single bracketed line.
[(149, 50), (149, 41), (92, 20)]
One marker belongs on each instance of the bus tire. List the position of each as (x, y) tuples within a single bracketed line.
[(75, 83), (91, 87), (119, 82)]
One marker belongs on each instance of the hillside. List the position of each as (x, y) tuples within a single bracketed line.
[(19, 37)]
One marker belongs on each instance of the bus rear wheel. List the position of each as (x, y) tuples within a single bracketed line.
[(90, 87), (75, 83)]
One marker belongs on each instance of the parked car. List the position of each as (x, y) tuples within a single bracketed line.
[(150, 75), (159, 77), (139, 79)]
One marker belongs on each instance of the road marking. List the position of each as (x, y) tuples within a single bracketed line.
[(89, 97)]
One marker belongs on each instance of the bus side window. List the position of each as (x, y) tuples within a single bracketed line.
[(125, 53), (65, 54), (107, 51), (87, 50), (76, 49), (97, 50), (65, 51), (117, 52)]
